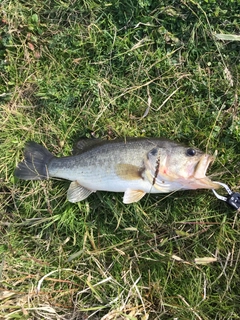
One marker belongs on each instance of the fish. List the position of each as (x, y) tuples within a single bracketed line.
[(134, 166)]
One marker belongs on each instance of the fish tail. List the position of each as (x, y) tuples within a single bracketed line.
[(35, 163)]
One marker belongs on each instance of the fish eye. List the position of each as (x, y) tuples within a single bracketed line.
[(190, 152)]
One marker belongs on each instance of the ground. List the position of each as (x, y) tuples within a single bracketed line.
[(110, 69)]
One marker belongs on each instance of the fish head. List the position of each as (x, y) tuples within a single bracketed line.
[(178, 167)]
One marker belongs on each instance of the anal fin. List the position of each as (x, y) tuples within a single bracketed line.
[(77, 193), (131, 196)]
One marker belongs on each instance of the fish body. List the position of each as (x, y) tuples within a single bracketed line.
[(134, 166)]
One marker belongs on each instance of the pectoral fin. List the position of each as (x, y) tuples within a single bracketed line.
[(77, 193), (128, 171), (131, 196)]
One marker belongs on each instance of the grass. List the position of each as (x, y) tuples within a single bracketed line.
[(117, 69)]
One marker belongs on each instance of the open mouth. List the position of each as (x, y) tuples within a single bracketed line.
[(201, 169), (203, 165)]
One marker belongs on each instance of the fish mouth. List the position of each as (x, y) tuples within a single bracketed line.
[(200, 172)]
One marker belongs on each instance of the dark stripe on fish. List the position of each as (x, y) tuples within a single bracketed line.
[(156, 171)]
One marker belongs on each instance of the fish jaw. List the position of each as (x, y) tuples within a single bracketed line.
[(203, 183), (200, 180), (202, 166)]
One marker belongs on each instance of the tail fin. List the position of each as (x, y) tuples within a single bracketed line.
[(35, 163)]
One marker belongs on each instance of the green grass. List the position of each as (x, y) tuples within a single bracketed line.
[(116, 69)]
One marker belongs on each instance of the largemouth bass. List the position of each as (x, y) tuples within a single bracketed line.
[(135, 166)]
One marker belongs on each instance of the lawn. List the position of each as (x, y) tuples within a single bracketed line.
[(116, 69)]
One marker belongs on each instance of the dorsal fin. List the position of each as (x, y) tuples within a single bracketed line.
[(85, 144)]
